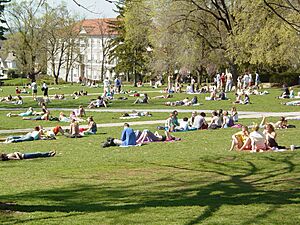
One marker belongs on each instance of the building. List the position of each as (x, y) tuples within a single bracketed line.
[(7, 64), (92, 62)]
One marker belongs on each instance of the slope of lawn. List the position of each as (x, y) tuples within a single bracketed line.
[(195, 180), (192, 181)]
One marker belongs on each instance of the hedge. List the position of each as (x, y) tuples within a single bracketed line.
[(281, 78)]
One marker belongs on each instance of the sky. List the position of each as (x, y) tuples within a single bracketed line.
[(101, 7)]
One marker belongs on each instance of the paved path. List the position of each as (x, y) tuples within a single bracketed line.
[(242, 115)]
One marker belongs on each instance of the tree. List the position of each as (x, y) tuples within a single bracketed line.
[(287, 10), (106, 34), (27, 36), (2, 20), (129, 47), (262, 40), (62, 47), (120, 50)]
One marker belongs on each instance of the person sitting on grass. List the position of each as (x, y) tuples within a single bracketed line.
[(74, 131), (29, 112), (238, 98), (258, 140), (148, 136), (144, 100), (99, 102), (286, 92), (246, 99), (128, 138), (270, 134), (91, 129), (80, 112), (234, 114), (215, 121), (36, 134), (227, 120), (20, 156), (183, 125), (239, 139), (199, 121), (172, 122)]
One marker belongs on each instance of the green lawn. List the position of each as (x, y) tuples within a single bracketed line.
[(192, 181), (259, 103)]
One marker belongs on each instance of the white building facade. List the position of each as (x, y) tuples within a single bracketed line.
[(92, 63)]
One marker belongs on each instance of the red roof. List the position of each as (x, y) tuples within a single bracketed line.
[(97, 27)]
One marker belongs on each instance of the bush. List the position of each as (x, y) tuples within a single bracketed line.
[(17, 82), (12, 74), (48, 79), (285, 78), (281, 78)]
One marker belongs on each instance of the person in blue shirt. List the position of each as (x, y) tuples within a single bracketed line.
[(128, 137)]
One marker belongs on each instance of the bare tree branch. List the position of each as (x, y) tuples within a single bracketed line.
[(85, 8)]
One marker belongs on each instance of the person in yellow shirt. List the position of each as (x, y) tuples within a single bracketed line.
[(239, 138)]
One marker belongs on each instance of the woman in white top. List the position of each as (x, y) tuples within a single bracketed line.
[(215, 121), (258, 140)]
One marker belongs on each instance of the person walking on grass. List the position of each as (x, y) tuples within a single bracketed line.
[(34, 88), (45, 89)]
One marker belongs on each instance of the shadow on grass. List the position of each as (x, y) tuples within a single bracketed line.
[(234, 189)]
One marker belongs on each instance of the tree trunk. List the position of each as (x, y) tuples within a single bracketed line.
[(199, 75), (234, 72), (31, 76), (56, 80), (102, 70), (134, 77)]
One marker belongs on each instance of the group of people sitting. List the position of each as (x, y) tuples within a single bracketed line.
[(216, 96), (255, 141), (259, 141), (197, 121)]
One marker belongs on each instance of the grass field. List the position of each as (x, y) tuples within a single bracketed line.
[(259, 103), (192, 181)]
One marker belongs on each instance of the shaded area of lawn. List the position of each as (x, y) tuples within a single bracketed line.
[(235, 183)]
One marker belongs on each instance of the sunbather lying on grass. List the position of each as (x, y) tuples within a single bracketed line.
[(20, 156)]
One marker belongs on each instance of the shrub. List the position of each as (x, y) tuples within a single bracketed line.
[(281, 78), (285, 78), (12, 73)]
